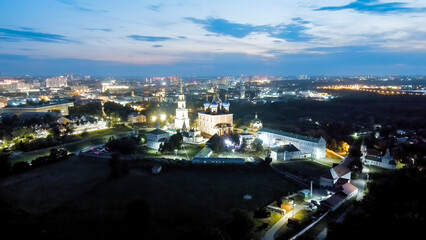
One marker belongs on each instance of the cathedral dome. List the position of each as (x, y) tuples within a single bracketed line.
[(226, 103), (214, 104), (256, 122), (207, 103)]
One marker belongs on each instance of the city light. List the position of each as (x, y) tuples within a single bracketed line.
[(154, 118), (163, 117)]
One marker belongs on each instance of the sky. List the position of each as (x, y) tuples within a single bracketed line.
[(204, 38)]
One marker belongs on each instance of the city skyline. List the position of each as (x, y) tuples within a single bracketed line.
[(135, 38)]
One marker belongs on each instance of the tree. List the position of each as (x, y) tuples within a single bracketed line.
[(355, 163), (257, 146), (216, 144), (235, 138), (20, 167), (57, 154), (84, 134), (343, 147), (268, 159), (244, 147), (241, 225), (125, 145), (22, 132), (174, 142), (261, 213), (388, 210), (70, 129), (93, 109)]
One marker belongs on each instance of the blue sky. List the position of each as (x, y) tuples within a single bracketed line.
[(192, 37)]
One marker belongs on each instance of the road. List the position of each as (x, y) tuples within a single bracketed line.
[(273, 230), (29, 156)]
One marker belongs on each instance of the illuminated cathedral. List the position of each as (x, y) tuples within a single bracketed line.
[(216, 117)]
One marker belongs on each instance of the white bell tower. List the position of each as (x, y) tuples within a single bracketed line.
[(181, 111)]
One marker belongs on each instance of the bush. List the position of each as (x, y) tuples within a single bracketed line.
[(40, 161), (261, 213), (20, 167)]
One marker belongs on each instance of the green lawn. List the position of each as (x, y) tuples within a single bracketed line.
[(304, 167), (188, 151)]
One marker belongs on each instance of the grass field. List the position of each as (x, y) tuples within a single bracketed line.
[(184, 202), (304, 167)]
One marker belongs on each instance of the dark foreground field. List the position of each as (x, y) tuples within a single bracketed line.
[(78, 200)]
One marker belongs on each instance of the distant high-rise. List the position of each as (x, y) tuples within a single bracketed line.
[(242, 90), (56, 82)]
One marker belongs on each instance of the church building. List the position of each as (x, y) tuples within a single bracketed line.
[(182, 119), (216, 117)]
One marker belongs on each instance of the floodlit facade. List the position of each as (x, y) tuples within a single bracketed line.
[(308, 146), (61, 107), (216, 118)]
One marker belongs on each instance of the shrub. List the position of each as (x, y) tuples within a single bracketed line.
[(20, 167)]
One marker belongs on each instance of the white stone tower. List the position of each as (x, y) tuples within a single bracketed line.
[(181, 111), (242, 90)]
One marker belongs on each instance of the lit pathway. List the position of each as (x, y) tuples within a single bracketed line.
[(271, 232), (334, 153), (322, 235)]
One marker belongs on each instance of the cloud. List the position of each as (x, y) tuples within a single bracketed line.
[(374, 6), (27, 28), (157, 46), (98, 29), (225, 27), (289, 32), (148, 38), (293, 33), (156, 8), (11, 35), (80, 7)]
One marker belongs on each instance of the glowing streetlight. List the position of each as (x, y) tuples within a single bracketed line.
[(293, 208), (163, 117), (154, 118)]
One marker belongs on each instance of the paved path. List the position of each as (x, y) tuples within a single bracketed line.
[(322, 235), (271, 232)]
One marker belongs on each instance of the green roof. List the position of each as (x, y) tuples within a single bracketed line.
[(291, 135), (157, 131)]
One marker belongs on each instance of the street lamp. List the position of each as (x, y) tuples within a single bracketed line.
[(163, 117), (154, 118), (294, 205)]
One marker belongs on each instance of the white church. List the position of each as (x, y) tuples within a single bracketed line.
[(182, 118)]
